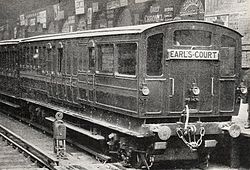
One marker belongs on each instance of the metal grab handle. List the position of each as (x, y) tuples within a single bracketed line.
[(187, 117), (172, 82), (212, 86)]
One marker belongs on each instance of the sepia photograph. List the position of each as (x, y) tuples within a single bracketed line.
[(124, 84)]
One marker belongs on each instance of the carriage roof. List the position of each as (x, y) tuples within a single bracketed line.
[(10, 42), (135, 29)]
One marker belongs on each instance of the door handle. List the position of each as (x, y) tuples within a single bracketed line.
[(172, 86), (212, 86)]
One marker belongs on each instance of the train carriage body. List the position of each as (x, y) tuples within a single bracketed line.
[(9, 72), (146, 87)]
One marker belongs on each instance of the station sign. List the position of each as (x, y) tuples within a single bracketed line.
[(193, 54)]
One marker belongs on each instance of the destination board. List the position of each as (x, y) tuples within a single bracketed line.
[(193, 54)]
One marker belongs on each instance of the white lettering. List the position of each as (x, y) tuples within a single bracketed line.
[(193, 54), (154, 9)]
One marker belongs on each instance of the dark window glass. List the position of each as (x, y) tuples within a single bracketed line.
[(105, 58), (80, 57), (54, 59), (68, 63), (83, 59), (31, 58), (49, 60), (91, 58), (192, 37), (40, 62), (154, 55), (75, 61), (9, 59), (22, 54), (12, 61), (60, 58), (43, 63), (227, 56), (36, 57), (227, 41), (127, 53), (27, 58), (1, 59), (5, 59)]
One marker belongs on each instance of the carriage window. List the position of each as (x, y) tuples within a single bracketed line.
[(9, 59), (49, 62), (31, 58), (91, 58), (27, 58), (227, 41), (36, 57), (54, 59), (75, 59), (82, 51), (1, 58), (68, 62), (127, 58), (106, 58), (40, 60), (154, 55), (228, 46), (192, 37), (22, 54), (12, 59), (5, 59), (60, 58)]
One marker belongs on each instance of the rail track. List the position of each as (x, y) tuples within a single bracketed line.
[(38, 142), (17, 153)]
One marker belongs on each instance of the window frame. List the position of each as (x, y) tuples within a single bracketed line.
[(93, 53), (116, 65), (60, 57), (97, 62), (163, 58), (235, 54), (68, 66), (175, 45), (49, 58), (82, 51)]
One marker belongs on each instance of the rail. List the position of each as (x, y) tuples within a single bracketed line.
[(42, 158)]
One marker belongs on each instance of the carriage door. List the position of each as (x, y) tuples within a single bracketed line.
[(191, 64), (91, 72), (49, 56), (227, 72), (74, 80), (68, 77), (60, 71), (54, 75)]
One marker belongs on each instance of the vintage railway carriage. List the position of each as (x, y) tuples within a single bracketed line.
[(9, 72), (154, 91)]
